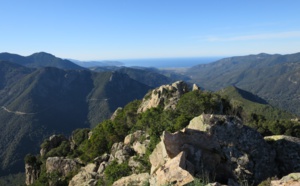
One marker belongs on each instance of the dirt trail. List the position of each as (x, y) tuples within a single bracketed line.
[(16, 112)]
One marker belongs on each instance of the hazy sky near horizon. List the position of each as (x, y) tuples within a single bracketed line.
[(121, 29)]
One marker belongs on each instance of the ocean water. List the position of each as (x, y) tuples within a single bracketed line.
[(169, 62)]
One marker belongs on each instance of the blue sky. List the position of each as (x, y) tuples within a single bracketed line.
[(121, 29)]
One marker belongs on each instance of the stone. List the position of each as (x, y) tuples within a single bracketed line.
[(103, 158), (218, 146), (287, 153), (115, 113), (87, 176), (129, 139), (102, 167), (292, 179), (195, 87), (140, 148), (61, 165), (120, 152), (134, 179), (166, 96), (32, 173), (133, 164), (174, 172), (158, 157)]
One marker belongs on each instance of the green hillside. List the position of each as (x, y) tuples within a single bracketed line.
[(251, 103), (272, 77), (38, 60), (35, 104)]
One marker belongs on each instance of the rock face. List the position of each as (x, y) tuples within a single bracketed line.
[(219, 147), (61, 165), (174, 172), (32, 173), (166, 96), (287, 153), (139, 141), (87, 176), (53, 142), (120, 152)]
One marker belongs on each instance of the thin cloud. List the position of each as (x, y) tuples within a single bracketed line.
[(280, 35)]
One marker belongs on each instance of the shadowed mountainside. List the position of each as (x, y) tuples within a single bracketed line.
[(37, 103)]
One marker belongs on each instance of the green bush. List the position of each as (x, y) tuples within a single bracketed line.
[(115, 171)]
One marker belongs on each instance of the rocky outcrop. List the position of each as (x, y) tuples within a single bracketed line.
[(53, 142), (195, 87), (60, 165), (134, 179), (32, 173), (177, 171), (113, 116), (139, 141), (120, 152), (287, 153), (292, 179), (166, 96), (217, 146), (87, 176)]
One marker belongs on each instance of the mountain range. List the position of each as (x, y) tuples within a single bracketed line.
[(275, 78), (40, 59), (41, 94), (38, 102)]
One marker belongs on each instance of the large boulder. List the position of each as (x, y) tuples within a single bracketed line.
[(134, 179), (139, 141), (87, 176), (174, 171), (292, 179), (32, 173), (166, 96), (220, 147), (120, 152), (287, 153), (61, 165)]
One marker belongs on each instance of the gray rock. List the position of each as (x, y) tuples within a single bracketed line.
[(287, 153), (32, 173), (61, 165), (166, 96), (134, 179), (221, 147), (87, 176), (292, 179)]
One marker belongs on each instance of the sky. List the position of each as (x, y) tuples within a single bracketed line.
[(128, 29)]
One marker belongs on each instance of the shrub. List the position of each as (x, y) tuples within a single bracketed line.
[(115, 171)]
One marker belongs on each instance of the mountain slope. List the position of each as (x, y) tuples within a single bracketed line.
[(38, 60), (272, 77), (252, 103), (37, 103), (146, 76)]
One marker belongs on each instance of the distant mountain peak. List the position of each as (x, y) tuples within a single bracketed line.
[(42, 54), (40, 59)]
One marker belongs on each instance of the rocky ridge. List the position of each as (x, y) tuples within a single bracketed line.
[(212, 148), (166, 96), (216, 146)]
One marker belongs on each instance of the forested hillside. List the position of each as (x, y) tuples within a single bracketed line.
[(36, 103), (275, 78)]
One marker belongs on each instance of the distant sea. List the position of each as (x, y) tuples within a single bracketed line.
[(169, 62)]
